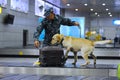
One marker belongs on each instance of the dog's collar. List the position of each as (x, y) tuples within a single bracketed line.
[(62, 40)]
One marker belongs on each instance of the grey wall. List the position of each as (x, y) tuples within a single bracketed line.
[(110, 30), (11, 35)]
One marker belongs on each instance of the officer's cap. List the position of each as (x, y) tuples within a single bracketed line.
[(48, 11)]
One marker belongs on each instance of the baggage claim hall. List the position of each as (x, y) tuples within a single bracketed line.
[(90, 26)]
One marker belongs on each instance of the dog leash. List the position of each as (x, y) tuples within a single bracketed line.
[(80, 30)]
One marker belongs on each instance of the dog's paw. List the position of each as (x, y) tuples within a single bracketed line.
[(85, 64)]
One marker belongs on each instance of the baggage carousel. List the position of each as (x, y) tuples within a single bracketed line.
[(26, 71), (49, 77)]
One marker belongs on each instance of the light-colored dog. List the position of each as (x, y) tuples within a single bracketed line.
[(77, 44)]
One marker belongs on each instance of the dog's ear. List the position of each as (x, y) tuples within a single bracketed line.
[(58, 38)]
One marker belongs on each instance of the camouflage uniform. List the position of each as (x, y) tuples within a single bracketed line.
[(51, 28)]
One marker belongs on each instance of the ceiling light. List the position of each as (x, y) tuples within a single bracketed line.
[(109, 13), (107, 9), (76, 9), (96, 13), (91, 9), (103, 4), (85, 4), (68, 4)]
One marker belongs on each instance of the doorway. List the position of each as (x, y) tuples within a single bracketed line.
[(25, 37)]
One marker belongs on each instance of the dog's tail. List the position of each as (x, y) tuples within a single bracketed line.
[(103, 42)]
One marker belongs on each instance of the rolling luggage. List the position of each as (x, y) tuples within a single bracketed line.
[(51, 56)]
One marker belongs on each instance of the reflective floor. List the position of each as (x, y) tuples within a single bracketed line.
[(27, 62), (48, 77)]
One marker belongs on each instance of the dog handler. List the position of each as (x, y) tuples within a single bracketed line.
[(51, 24)]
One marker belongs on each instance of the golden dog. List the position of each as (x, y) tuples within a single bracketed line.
[(77, 44)]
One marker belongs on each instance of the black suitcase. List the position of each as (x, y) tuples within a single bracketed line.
[(52, 56)]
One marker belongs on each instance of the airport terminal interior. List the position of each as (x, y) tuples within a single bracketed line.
[(99, 20)]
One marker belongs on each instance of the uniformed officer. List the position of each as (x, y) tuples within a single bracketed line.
[(51, 23)]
